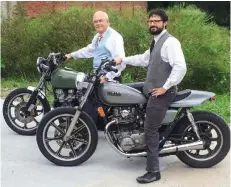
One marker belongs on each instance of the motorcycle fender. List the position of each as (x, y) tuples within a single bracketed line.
[(41, 93)]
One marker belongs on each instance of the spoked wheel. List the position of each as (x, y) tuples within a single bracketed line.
[(215, 134), (78, 148), (210, 135), (21, 121)]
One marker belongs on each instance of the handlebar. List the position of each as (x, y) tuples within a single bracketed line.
[(57, 58), (110, 68), (44, 67), (112, 63)]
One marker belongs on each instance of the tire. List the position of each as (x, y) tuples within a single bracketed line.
[(15, 128), (41, 139), (221, 153)]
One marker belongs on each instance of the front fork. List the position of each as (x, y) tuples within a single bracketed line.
[(31, 103), (77, 113), (191, 119)]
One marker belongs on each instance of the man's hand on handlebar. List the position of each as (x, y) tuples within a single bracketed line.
[(118, 60), (68, 56)]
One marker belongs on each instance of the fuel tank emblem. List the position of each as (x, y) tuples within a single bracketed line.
[(114, 93)]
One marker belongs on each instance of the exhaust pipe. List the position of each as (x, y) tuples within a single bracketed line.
[(185, 147)]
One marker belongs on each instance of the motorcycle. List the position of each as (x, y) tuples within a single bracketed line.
[(23, 108), (199, 139)]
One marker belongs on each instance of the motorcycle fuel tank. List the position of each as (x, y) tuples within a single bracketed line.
[(118, 94), (64, 78)]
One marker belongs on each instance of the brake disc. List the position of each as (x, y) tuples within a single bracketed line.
[(20, 115)]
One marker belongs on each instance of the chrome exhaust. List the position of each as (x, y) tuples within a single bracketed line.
[(184, 147), (189, 146)]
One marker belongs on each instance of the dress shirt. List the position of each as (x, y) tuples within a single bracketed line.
[(171, 53)]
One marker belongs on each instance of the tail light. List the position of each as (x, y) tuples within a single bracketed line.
[(213, 98)]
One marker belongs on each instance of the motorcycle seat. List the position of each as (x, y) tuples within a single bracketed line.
[(137, 85), (182, 95)]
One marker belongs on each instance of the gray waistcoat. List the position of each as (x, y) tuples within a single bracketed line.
[(158, 70)]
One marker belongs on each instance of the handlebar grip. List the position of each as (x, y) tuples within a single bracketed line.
[(64, 58), (44, 67), (111, 68), (112, 63)]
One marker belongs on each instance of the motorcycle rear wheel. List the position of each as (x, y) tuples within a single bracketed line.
[(208, 124)]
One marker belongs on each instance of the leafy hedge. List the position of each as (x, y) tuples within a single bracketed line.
[(205, 45)]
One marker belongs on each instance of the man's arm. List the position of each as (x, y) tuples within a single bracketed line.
[(177, 61), (86, 52), (136, 60)]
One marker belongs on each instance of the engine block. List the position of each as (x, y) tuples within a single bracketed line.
[(131, 140), (125, 115)]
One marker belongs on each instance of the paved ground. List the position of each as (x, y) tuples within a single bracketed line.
[(22, 165)]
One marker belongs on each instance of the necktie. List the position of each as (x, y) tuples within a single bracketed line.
[(100, 38), (152, 46)]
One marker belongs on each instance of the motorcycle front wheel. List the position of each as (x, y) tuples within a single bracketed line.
[(81, 145), (14, 115)]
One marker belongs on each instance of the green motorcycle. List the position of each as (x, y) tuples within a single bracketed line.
[(23, 108)]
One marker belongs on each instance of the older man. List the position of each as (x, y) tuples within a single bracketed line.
[(106, 43)]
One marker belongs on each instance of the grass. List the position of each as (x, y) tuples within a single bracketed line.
[(220, 106), (8, 85)]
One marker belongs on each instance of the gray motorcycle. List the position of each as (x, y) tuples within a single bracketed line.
[(68, 136)]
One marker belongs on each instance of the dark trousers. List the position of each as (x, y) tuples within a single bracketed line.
[(155, 113), (90, 107)]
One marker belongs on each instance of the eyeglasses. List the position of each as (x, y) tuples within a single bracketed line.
[(154, 21), (100, 21)]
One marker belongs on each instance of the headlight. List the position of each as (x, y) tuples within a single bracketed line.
[(80, 77), (40, 60), (79, 82), (37, 64)]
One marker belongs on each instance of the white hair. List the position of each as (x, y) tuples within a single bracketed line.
[(104, 13)]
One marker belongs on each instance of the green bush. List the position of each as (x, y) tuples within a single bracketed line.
[(205, 45)]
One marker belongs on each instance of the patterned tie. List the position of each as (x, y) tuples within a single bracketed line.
[(152, 46), (100, 38)]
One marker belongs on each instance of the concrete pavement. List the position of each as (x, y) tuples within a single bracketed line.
[(22, 165)]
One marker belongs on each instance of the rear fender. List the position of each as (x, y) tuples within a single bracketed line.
[(196, 98)]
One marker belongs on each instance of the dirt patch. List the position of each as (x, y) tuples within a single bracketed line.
[(5, 92)]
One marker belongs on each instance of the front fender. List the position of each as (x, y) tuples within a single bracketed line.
[(42, 95)]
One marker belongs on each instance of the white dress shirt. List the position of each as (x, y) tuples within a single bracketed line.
[(171, 52), (114, 44)]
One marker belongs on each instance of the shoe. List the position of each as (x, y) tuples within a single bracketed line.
[(149, 177)]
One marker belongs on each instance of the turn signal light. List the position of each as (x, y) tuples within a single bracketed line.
[(101, 112)]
